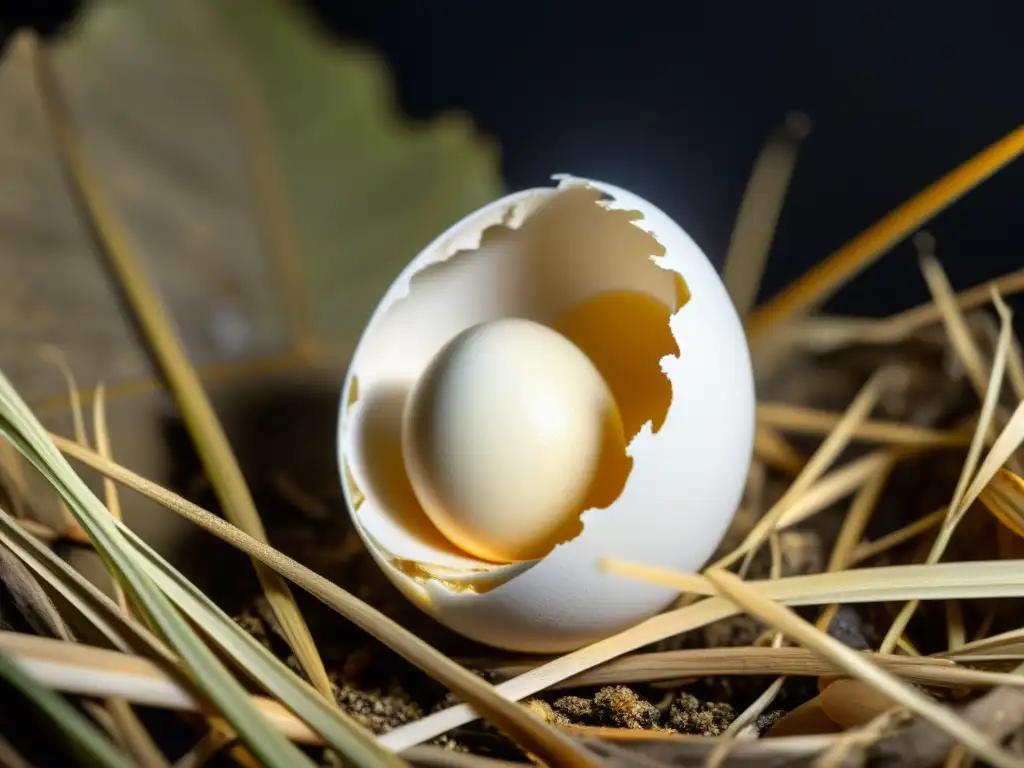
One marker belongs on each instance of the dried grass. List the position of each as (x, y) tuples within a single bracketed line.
[(859, 689)]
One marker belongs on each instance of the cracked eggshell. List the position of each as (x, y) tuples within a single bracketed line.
[(628, 285)]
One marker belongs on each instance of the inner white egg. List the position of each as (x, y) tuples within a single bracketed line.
[(508, 436)]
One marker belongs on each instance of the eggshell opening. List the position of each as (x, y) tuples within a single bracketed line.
[(628, 287)]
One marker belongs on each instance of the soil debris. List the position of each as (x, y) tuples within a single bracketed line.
[(378, 710), (615, 706), (767, 720), (691, 715), (619, 706), (623, 708)]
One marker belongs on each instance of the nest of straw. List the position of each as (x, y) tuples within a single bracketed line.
[(862, 610)]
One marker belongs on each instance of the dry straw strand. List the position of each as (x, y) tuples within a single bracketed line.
[(869, 549), (852, 530), (939, 581), (211, 374), (751, 240), (819, 283), (903, 325), (762, 702), (956, 326), (76, 730), (826, 454), (957, 508), (85, 597), (59, 359), (935, 582), (829, 332), (527, 729), (110, 496), (132, 734), (859, 666), (934, 671), (771, 448), (808, 421), (199, 416), (833, 487)]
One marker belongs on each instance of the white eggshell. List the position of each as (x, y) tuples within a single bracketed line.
[(687, 476)]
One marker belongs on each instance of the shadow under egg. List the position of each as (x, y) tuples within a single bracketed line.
[(383, 477)]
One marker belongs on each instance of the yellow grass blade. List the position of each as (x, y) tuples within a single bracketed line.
[(941, 581), (59, 359), (132, 734), (819, 283), (956, 325), (852, 530), (754, 229), (990, 331), (1004, 645), (756, 661), (825, 333), (211, 442), (808, 421), (857, 518), (762, 702), (907, 323), (773, 450), (992, 386), (1003, 448), (104, 449), (827, 453), (759, 705), (110, 497), (988, 411), (832, 487), (859, 666), (869, 549), (213, 375)]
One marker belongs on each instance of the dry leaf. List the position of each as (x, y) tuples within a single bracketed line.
[(200, 118)]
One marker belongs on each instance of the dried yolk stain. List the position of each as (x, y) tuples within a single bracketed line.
[(626, 334)]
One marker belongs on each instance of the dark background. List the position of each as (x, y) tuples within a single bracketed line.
[(673, 101)]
